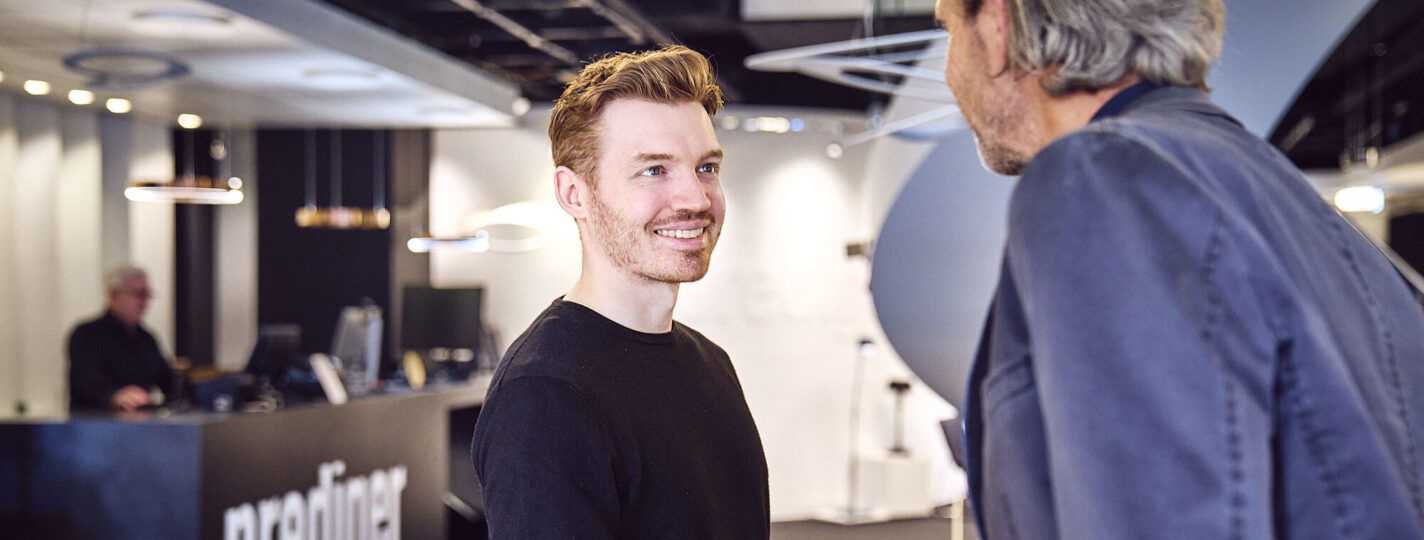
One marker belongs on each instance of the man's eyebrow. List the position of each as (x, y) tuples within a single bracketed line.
[(668, 157)]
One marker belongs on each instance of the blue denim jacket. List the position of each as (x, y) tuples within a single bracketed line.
[(1188, 342)]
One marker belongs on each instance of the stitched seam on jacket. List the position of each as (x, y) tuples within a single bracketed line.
[(1391, 362), (1207, 332), (1003, 388), (1315, 446)]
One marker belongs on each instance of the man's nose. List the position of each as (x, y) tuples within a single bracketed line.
[(691, 193)]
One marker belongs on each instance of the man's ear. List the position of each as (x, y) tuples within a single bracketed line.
[(992, 27), (572, 191)]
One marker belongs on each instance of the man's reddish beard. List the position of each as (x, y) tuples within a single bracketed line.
[(621, 239)]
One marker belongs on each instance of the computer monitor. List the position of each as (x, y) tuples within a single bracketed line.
[(441, 318), (356, 344), (278, 349)]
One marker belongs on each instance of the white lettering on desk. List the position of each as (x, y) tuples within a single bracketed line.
[(358, 507)]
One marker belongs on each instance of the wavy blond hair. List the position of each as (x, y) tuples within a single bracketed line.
[(672, 74)]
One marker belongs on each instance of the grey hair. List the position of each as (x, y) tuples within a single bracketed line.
[(1093, 43), (116, 277)]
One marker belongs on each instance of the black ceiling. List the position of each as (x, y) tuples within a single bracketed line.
[(581, 30), (1369, 92)]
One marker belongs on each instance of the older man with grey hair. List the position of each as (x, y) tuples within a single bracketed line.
[(114, 363), (1186, 340)]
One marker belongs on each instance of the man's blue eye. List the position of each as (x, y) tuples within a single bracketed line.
[(708, 168), (655, 170)]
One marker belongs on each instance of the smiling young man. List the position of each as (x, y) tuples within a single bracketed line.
[(1186, 340), (607, 418)]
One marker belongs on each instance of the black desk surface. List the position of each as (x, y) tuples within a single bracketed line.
[(211, 475)]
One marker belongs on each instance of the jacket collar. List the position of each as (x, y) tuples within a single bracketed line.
[(1182, 98)]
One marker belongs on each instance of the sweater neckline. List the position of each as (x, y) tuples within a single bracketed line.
[(609, 325)]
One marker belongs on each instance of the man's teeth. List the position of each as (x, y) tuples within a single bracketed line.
[(680, 233)]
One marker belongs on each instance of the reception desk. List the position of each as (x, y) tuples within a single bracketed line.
[(376, 467)]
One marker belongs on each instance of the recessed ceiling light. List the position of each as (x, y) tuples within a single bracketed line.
[(181, 23), (2, 76), (81, 97), (773, 124), (36, 88), (1360, 199), (190, 121), (342, 78), (521, 106), (118, 105), (834, 151), (182, 16)]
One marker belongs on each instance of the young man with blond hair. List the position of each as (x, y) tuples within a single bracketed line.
[(607, 418)]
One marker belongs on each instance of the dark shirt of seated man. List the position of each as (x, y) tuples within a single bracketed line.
[(114, 363)]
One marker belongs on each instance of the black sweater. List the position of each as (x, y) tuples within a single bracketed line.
[(594, 430), (104, 357)]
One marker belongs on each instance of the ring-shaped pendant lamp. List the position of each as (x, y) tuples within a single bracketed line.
[(188, 188)]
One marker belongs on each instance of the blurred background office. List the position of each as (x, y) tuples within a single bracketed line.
[(271, 164)]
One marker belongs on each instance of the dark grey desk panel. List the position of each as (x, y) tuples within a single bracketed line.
[(179, 476)]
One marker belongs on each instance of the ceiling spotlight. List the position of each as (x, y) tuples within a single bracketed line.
[(180, 17), (118, 105), (343, 79), (520, 106), (1360, 199), (190, 121), (773, 124), (179, 23), (36, 88), (730, 123), (2, 76), (834, 151), (81, 97)]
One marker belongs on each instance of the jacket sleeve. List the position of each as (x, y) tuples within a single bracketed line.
[(88, 385), (545, 463), (1150, 350), (163, 375)]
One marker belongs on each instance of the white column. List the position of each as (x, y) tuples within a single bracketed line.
[(10, 314), (151, 229), (116, 149), (78, 216), (235, 230), (40, 346), (78, 212)]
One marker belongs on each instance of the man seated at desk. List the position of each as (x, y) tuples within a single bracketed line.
[(114, 364)]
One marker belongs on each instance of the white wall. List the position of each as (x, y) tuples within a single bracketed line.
[(151, 241), (10, 369), (781, 297), (58, 218), (235, 267), (52, 177)]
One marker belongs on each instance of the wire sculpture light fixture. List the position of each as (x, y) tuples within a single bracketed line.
[(857, 63)]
